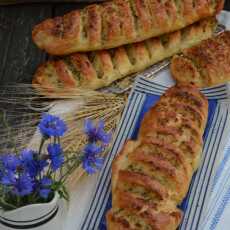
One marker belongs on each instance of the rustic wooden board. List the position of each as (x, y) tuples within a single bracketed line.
[(14, 2), (60, 9), (19, 57), (227, 5)]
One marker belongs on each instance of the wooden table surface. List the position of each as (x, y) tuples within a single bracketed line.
[(19, 57)]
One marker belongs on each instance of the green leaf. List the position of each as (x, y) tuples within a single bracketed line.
[(6, 206)]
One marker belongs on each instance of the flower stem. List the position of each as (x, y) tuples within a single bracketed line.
[(70, 170), (33, 197), (18, 201), (7, 205), (39, 152), (41, 145)]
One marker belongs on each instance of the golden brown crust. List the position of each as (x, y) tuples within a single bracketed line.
[(155, 219), (219, 5), (206, 64), (99, 69), (93, 24), (121, 159), (119, 22), (151, 175), (63, 74), (138, 179), (116, 223)]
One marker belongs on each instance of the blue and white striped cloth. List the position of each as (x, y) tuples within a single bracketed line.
[(207, 205), (218, 208), (198, 202)]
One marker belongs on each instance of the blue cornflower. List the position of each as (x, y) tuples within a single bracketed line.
[(52, 126), (27, 155), (45, 187), (92, 161), (23, 185), (97, 133), (10, 162), (44, 193), (8, 178), (93, 149), (32, 163), (9, 165), (56, 156)]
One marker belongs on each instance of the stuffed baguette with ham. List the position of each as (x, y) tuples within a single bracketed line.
[(151, 175), (119, 22), (98, 69)]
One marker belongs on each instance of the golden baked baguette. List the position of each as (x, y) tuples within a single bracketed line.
[(206, 64), (151, 175), (115, 23), (100, 68)]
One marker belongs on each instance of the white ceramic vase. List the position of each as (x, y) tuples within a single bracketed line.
[(35, 217)]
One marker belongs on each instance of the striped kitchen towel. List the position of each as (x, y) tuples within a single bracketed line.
[(216, 216), (143, 96)]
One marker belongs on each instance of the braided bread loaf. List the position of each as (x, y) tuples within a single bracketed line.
[(206, 64), (100, 68), (119, 22), (151, 175)]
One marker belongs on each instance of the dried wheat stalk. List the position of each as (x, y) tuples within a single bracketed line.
[(23, 106)]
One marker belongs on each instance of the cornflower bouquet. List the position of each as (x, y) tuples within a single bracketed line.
[(34, 176)]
